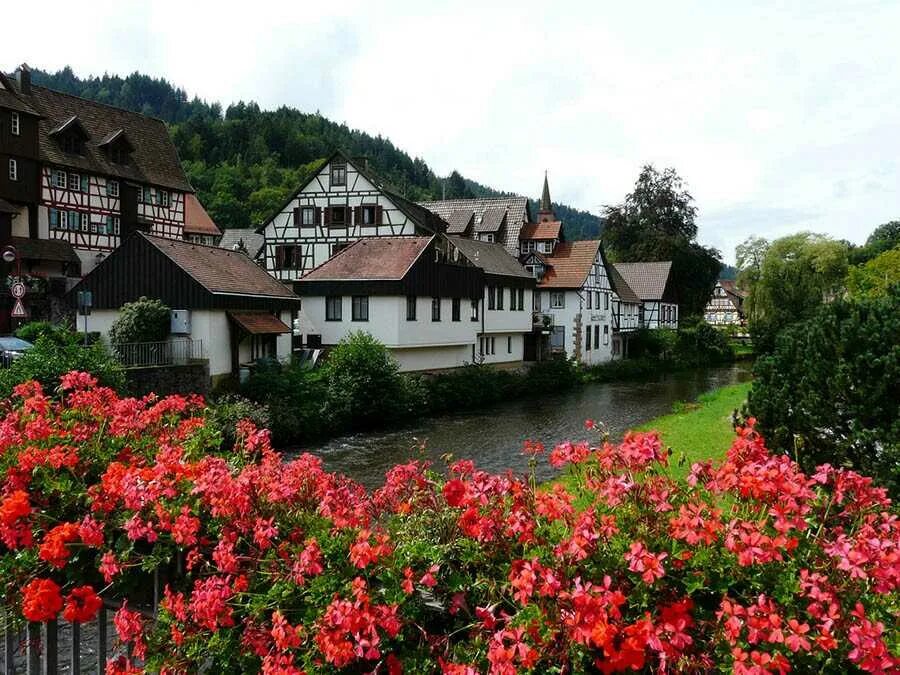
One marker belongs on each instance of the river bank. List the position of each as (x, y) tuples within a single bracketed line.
[(493, 436)]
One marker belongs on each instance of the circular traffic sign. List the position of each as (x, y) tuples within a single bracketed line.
[(17, 290)]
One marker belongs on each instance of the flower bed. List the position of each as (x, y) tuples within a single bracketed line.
[(748, 566)]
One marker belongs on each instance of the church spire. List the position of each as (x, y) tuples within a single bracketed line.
[(545, 197)]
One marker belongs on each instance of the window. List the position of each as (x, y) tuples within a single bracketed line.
[(367, 214), (493, 346), (597, 299), (536, 302), (338, 216), (474, 310), (597, 335), (72, 144), (360, 308), (489, 237), (85, 221), (54, 219), (509, 344), (74, 181), (333, 307), (587, 342), (606, 301), (13, 170), (522, 299), (491, 295), (500, 298), (112, 225), (162, 197), (338, 174), (59, 179), (74, 220), (410, 308), (455, 310), (557, 300), (605, 334), (308, 215), (546, 247), (589, 296), (14, 123), (435, 309), (338, 247), (112, 188), (287, 257)]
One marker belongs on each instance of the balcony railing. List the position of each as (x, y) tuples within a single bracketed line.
[(145, 354)]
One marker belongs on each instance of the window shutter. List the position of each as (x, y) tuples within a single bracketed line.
[(297, 216), (378, 214), (347, 216), (328, 215), (357, 215), (279, 257)]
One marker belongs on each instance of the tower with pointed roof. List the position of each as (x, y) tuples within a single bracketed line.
[(545, 213)]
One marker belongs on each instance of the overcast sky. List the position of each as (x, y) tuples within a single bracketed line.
[(779, 116)]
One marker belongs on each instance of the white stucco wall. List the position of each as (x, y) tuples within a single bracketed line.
[(432, 358)]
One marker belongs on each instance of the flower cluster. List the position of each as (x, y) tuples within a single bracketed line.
[(277, 566)]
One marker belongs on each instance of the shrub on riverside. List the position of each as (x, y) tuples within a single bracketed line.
[(830, 391), (749, 565), (144, 320)]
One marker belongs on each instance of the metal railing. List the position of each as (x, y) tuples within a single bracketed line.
[(171, 352)]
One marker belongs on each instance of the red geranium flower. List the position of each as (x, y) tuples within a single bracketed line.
[(82, 605), (41, 600), (455, 492)]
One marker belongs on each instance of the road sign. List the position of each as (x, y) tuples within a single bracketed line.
[(18, 290), (18, 311)]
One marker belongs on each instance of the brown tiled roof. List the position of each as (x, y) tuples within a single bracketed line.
[(570, 264), (647, 279), (154, 159), (219, 270), (731, 286), (196, 219), (491, 220), (624, 291), (371, 259), (459, 220), (546, 230), (55, 250), (259, 323), (492, 258), (517, 213), (10, 99)]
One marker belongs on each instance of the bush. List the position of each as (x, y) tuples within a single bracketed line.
[(471, 387), (831, 389), (364, 386), (48, 360), (700, 344), (225, 414), (653, 344), (61, 334), (283, 567), (555, 374), (143, 320)]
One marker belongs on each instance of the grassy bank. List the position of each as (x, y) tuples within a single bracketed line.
[(701, 430)]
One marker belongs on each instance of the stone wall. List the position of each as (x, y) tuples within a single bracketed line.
[(192, 378)]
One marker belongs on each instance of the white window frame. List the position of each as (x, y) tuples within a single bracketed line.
[(546, 246), (559, 296), (84, 221), (112, 188), (117, 225), (75, 181), (60, 179), (14, 126), (13, 170), (164, 198), (311, 211), (63, 221)]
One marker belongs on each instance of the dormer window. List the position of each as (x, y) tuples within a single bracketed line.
[(14, 124), (338, 173), (71, 136), (72, 144), (116, 146)]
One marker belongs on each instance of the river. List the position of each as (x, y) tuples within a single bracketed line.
[(493, 438)]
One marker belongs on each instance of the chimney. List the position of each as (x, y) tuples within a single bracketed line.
[(23, 76)]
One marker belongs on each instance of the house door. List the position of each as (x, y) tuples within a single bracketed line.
[(558, 338)]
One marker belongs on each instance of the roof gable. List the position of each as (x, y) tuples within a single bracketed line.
[(649, 280), (570, 264), (516, 210), (196, 219)]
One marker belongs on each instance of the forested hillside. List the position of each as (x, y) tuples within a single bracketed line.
[(245, 161)]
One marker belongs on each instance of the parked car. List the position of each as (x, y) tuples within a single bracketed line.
[(12, 348)]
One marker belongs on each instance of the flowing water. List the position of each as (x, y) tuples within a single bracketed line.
[(493, 438)]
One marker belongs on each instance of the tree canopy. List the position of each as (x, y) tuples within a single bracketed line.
[(875, 277), (656, 221)]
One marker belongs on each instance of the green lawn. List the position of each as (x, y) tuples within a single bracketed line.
[(700, 430)]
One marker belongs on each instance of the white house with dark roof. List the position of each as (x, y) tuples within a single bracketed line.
[(339, 204), (652, 282), (418, 295)]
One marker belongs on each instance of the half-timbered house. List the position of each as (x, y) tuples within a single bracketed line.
[(88, 174), (652, 282), (340, 203), (726, 305)]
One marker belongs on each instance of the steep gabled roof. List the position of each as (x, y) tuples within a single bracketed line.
[(196, 219), (153, 160), (517, 213), (621, 287), (459, 220), (55, 250), (550, 229), (647, 279), (491, 220), (570, 264), (492, 258), (371, 259)]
